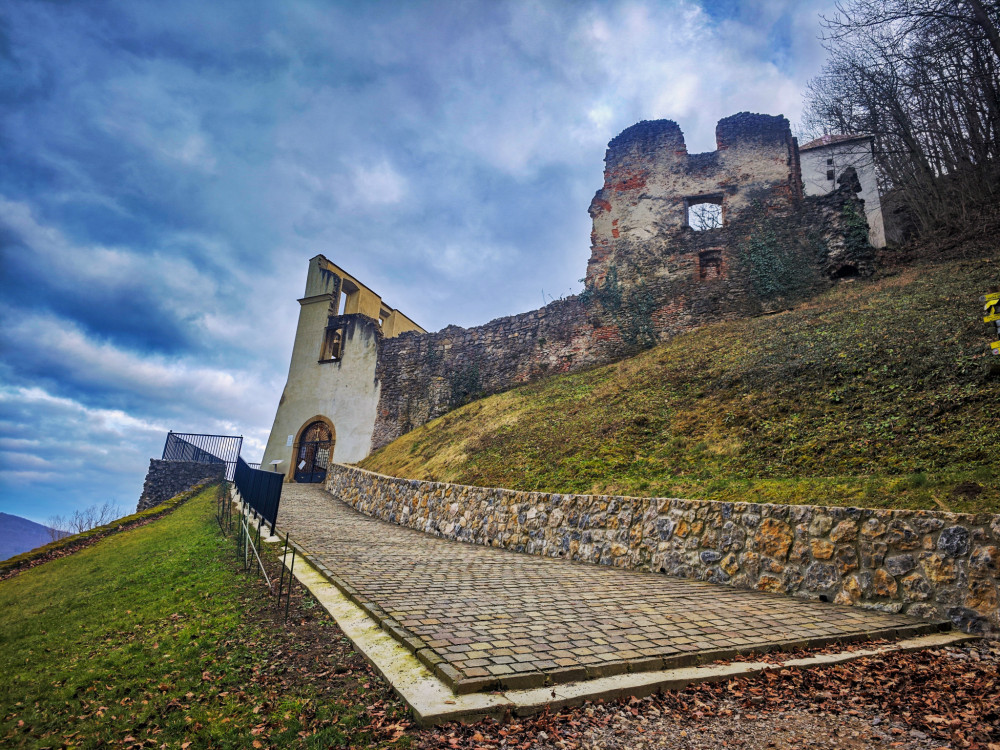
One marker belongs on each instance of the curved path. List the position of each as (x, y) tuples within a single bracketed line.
[(484, 617)]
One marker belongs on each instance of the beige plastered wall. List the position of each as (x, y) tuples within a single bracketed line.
[(342, 392), (857, 154)]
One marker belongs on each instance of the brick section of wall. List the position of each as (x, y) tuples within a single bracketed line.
[(667, 278), (168, 478), (923, 563)]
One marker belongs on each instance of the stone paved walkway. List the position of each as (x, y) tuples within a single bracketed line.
[(483, 617)]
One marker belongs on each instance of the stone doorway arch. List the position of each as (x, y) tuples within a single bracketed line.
[(313, 451)]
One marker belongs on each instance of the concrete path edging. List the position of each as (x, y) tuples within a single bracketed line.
[(433, 702)]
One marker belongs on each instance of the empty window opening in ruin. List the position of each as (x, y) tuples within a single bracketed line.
[(333, 344), (710, 264), (704, 212), (829, 175), (383, 315), (351, 296)]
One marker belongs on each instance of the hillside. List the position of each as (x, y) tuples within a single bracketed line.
[(19, 535), (155, 637), (875, 393)]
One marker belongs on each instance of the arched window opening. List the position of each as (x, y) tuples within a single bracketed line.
[(333, 343)]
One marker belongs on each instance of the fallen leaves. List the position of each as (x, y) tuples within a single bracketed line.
[(948, 695)]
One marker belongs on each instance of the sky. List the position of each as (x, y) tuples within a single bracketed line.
[(167, 170)]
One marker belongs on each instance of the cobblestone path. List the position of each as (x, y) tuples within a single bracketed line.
[(483, 617)]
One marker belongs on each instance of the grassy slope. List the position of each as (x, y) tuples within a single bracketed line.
[(145, 636), (878, 393), (73, 542)]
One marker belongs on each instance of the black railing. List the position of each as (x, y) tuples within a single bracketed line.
[(207, 449), (260, 490)]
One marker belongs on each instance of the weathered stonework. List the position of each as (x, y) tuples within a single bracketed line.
[(423, 376), (650, 275), (165, 479), (923, 563)]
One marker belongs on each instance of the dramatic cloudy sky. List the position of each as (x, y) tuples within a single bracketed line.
[(167, 168)]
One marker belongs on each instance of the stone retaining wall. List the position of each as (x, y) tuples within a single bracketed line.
[(922, 563), (168, 478)]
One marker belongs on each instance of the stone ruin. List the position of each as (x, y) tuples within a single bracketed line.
[(679, 240), (651, 275)]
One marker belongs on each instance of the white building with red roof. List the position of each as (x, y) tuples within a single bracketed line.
[(824, 162)]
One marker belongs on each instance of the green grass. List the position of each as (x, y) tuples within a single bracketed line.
[(154, 635), (877, 393), (74, 540)]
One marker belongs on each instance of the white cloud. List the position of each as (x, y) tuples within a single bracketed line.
[(94, 266), (55, 343), (379, 184)]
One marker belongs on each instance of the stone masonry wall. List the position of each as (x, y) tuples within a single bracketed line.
[(923, 563), (650, 276), (168, 478), (423, 376)]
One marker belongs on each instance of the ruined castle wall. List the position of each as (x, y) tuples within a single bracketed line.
[(650, 276), (649, 180), (923, 563), (423, 376), (165, 479)]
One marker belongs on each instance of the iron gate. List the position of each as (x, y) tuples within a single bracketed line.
[(313, 457)]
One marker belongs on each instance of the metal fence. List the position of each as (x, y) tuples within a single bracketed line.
[(246, 527), (260, 490), (207, 449)]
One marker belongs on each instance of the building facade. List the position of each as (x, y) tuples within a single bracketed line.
[(828, 161), (327, 409)]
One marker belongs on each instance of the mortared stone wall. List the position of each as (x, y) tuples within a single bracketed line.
[(922, 563)]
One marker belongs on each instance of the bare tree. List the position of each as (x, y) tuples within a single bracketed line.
[(923, 78), (79, 521), (702, 216), (55, 527)]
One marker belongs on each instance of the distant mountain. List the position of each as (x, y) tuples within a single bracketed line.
[(18, 535)]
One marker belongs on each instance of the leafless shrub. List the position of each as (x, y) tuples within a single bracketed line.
[(79, 521)]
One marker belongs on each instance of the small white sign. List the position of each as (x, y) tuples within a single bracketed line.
[(302, 464), (291, 439)]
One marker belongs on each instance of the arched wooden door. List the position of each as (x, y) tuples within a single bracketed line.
[(315, 450)]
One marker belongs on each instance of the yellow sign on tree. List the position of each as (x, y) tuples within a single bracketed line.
[(991, 308)]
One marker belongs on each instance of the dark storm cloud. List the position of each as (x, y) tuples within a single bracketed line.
[(166, 169)]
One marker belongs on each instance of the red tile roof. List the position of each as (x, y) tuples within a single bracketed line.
[(829, 140)]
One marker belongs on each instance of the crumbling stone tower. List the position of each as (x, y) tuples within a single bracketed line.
[(652, 183)]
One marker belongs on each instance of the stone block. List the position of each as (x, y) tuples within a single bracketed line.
[(884, 584), (845, 531), (898, 565), (773, 538), (820, 577), (915, 588), (822, 549), (954, 541)]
